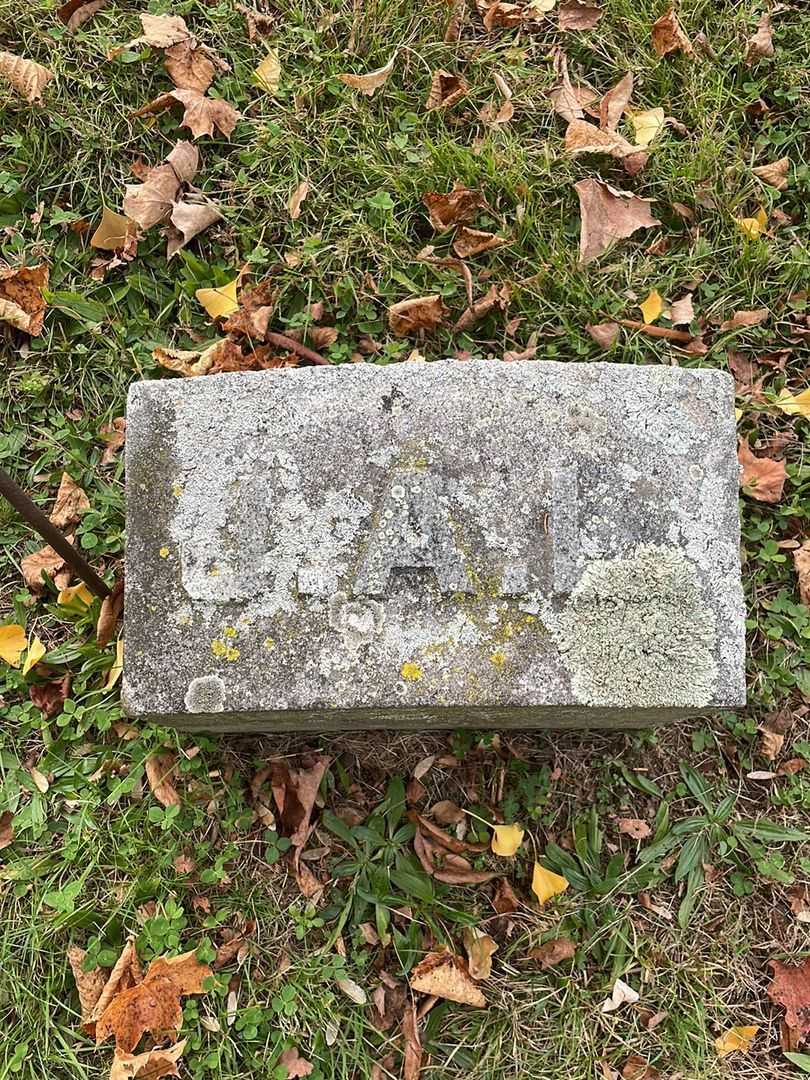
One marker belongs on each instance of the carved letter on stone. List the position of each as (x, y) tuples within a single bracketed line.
[(412, 530)]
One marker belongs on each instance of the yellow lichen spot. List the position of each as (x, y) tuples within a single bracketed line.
[(498, 659), (411, 672), (232, 653), (229, 631), (218, 648), (164, 553), (214, 571), (269, 644), (529, 619), (177, 489)]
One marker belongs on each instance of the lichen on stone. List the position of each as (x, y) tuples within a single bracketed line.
[(205, 695), (637, 632)]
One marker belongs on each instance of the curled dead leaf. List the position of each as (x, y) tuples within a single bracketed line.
[(371, 81), (470, 242), (21, 301), (760, 45), (480, 948), (423, 313), (579, 15), (70, 504), (615, 102), (297, 198), (582, 137), (295, 1065), (553, 952), (160, 770), (496, 298), (149, 1065), (445, 90), (48, 561), (763, 478), (445, 975), (604, 334), (745, 318), (89, 984), (27, 77), (682, 311), (152, 201), (190, 216), (635, 827), (801, 564), (458, 206), (775, 173), (6, 829), (76, 13), (668, 37)]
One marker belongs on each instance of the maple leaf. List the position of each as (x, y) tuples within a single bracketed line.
[(445, 90), (763, 478), (419, 313), (21, 301), (790, 987), (202, 114), (608, 214), (667, 35), (27, 77), (371, 81), (500, 13), (152, 201), (445, 975), (75, 13), (579, 15), (162, 31), (553, 952), (294, 1064)]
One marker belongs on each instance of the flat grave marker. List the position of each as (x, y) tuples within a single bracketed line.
[(456, 543)]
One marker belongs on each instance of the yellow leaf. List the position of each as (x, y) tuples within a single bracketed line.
[(753, 227), (738, 415), (736, 1038), (221, 302), (36, 650), (542, 5), (12, 643), (506, 839), (545, 883), (114, 673), (268, 73), (73, 593), (113, 232), (652, 307), (794, 404), (646, 124)]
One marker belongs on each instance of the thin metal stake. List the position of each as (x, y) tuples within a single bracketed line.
[(29, 510)]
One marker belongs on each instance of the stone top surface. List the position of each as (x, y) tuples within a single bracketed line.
[(478, 535)]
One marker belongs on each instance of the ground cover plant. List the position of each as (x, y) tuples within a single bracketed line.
[(194, 188)]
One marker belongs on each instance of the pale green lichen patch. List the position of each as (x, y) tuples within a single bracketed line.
[(637, 632)]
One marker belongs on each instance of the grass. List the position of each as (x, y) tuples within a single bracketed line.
[(93, 857)]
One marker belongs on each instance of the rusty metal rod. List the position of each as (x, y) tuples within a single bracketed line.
[(30, 512)]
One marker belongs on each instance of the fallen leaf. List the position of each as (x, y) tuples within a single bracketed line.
[(152, 201), (458, 206), (801, 564), (412, 1064), (268, 73), (295, 1064), (36, 650), (26, 76), (114, 232), (423, 767), (160, 771), (604, 334), (49, 697), (126, 972), (48, 560), (736, 1038), (506, 839), (75, 13), (162, 31), (794, 404), (447, 812), (117, 669), (647, 124), (21, 301), (71, 503), (501, 13), (114, 435), (652, 307), (668, 37), (608, 214), (753, 228), (615, 102), (480, 948), (420, 313), (553, 952), (6, 829), (496, 296), (188, 362), (505, 900), (13, 643), (78, 596), (150, 1065), (297, 198), (371, 82), (202, 114), (763, 478), (468, 242), (790, 987), (445, 975), (760, 46), (294, 792), (635, 827), (621, 994), (582, 137), (638, 1068), (775, 173), (545, 883), (682, 311), (445, 90), (154, 1004), (258, 23), (579, 15), (89, 984), (352, 991), (745, 318), (221, 301)]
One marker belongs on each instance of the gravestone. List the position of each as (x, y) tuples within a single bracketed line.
[(514, 544)]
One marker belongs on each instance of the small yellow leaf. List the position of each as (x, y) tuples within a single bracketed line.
[(646, 124), (113, 232), (12, 643), (753, 227), (736, 1038), (221, 302), (794, 404), (75, 593), (506, 839), (114, 673), (652, 307), (545, 883), (541, 5), (36, 650), (268, 73), (738, 415)]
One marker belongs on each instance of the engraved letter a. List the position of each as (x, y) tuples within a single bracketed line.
[(411, 530)]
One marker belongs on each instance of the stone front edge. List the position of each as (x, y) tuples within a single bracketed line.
[(525, 544)]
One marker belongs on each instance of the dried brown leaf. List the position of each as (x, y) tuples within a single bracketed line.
[(48, 560), (760, 46), (745, 318), (89, 984), (163, 31), (50, 696), (470, 242), (412, 1064), (27, 77), (775, 173), (445, 975), (295, 791), (582, 137), (763, 478), (579, 15), (638, 1068), (160, 770), (668, 37), (189, 217), (553, 952), (445, 90), (447, 812), (420, 313), (458, 206), (371, 82), (496, 298), (71, 503), (256, 308), (75, 13), (505, 900), (6, 829), (21, 301), (258, 23), (294, 1064), (682, 311), (801, 564), (480, 948), (608, 214), (500, 13), (202, 114), (297, 198), (635, 827), (615, 102), (604, 334), (150, 1065), (790, 987), (190, 66)]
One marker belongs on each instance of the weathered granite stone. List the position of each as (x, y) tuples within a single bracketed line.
[(534, 544)]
